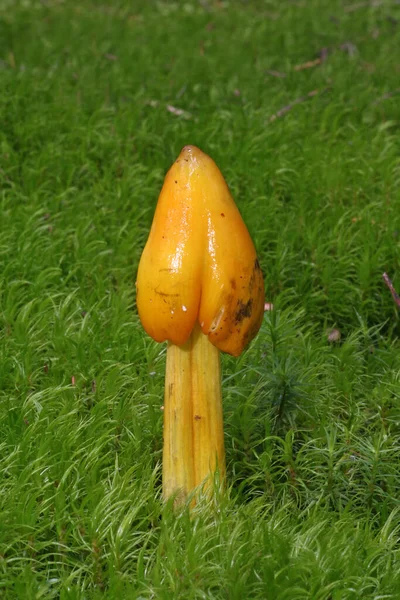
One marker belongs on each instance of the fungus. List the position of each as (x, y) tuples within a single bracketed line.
[(200, 288)]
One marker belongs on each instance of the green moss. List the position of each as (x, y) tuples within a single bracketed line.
[(89, 127)]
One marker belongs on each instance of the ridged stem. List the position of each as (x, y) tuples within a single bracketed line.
[(193, 420)]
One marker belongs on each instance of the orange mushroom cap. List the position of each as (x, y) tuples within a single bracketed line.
[(199, 262)]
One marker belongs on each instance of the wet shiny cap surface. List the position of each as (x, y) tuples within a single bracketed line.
[(199, 262)]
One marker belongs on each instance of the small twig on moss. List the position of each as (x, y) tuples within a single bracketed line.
[(308, 65), (395, 295), (289, 107)]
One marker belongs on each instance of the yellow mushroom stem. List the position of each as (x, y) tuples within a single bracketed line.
[(193, 422)]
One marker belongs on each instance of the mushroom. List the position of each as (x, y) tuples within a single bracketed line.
[(199, 287)]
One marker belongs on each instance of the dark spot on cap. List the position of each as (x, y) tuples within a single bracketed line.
[(243, 310), (233, 284), (176, 181), (197, 417), (222, 214)]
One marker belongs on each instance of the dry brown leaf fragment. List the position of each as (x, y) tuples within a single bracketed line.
[(333, 335), (179, 112), (390, 285), (308, 65), (174, 110), (289, 107)]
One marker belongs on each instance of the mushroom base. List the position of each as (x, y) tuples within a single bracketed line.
[(193, 422)]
